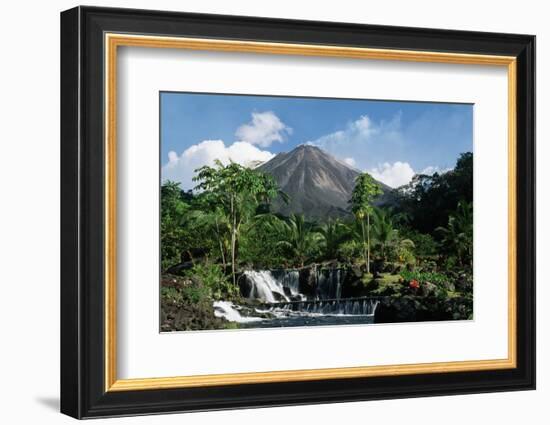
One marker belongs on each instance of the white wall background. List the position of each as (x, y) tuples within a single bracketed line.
[(29, 216)]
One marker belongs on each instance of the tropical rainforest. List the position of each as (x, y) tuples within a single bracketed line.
[(231, 259)]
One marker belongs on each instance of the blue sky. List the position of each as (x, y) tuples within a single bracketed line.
[(392, 140)]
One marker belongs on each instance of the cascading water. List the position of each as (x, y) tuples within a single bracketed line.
[(276, 299), (328, 283), (230, 312), (264, 286), (272, 286), (354, 307), (290, 281)]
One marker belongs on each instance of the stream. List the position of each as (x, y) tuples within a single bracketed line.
[(284, 298)]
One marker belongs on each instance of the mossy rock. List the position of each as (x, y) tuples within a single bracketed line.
[(187, 316)]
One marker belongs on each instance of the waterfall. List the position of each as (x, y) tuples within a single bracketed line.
[(278, 292), (230, 312), (265, 287), (353, 307), (290, 280), (328, 283), (284, 285)]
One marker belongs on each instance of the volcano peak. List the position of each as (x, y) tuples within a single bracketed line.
[(318, 184)]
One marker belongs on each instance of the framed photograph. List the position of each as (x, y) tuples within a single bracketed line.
[(261, 212)]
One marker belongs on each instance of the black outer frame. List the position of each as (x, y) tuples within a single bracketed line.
[(82, 208)]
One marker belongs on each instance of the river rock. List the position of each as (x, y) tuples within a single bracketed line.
[(427, 289), (398, 309)]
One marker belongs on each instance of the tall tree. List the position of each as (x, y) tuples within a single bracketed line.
[(365, 190), (173, 236), (238, 191), (428, 200), (211, 216), (181, 234)]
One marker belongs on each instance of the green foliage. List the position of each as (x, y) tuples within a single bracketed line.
[(427, 264), (202, 284), (457, 236), (365, 190), (258, 245), (186, 226), (386, 240), (427, 201), (192, 293), (171, 295), (236, 191), (174, 234), (424, 277), (349, 251), (332, 233), (424, 243), (404, 255), (211, 218), (297, 238), (214, 280), (227, 223), (172, 216), (235, 188)]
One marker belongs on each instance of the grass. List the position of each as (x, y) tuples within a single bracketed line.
[(386, 283), (388, 278)]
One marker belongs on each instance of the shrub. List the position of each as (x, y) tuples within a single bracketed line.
[(404, 255), (424, 244), (212, 277), (349, 251), (427, 265), (423, 277), (194, 294), (171, 296)]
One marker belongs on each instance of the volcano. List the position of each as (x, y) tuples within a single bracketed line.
[(318, 184)]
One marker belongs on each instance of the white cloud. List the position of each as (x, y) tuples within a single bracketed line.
[(373, 146), (349, 161), (364, 139), (181, 168), (394, 175), (264, 129), (430, 170), (359, 130), (400, 173)]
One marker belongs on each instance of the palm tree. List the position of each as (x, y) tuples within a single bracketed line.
[(457, 237), (385, 236), (297, 236), (364, 192), (333, 233)]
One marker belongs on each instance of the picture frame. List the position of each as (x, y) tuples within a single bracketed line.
[(90, 40)]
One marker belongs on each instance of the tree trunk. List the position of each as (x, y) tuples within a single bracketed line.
[(221, 244), (233, 240), (368, 243), (233, 271), (365, 255)]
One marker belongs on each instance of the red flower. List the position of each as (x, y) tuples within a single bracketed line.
[(414, 284)]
